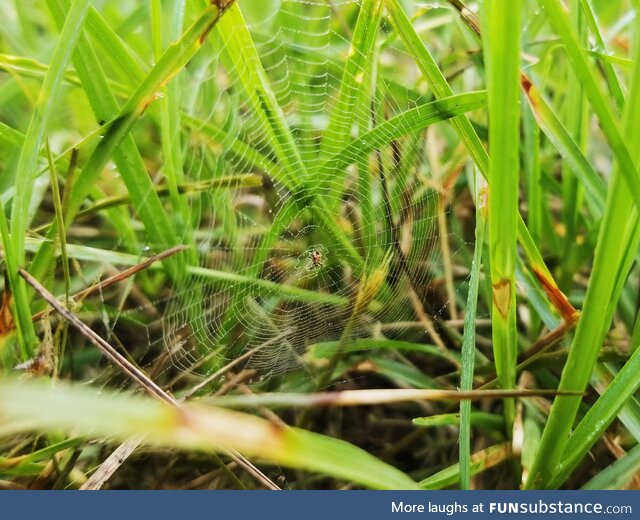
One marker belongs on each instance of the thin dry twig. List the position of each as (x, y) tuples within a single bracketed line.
[(536, 350), (125, 365), (119, 277)]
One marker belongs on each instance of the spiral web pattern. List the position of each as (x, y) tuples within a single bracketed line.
[(284, 265)]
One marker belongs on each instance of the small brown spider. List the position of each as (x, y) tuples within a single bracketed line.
[(316, 259)]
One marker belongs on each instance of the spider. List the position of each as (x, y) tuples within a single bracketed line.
[(316, 260)]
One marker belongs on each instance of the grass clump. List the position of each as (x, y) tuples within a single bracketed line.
[(329, 217)]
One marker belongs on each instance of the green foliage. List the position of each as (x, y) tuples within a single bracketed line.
[(373, 195)]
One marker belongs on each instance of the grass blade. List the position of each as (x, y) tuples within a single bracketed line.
[(616, 248), (366, 397), (243, 60), (472, 142), (501, 39), (618, 475), (587, 74), (172, 61), (598, 418), (39, 406), (468, 340), (354, 73), (484, 459), (126, 156), (26, 171), (405, 123), (609, 71)]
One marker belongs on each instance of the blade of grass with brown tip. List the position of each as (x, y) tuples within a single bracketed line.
[(501, 21), (38, 406), (467, 133)]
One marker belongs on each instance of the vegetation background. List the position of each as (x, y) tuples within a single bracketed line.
[(319, 244)]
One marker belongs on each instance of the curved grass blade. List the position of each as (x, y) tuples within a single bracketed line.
[(618, 475), (598, 418), (39, 406), (410, 121)]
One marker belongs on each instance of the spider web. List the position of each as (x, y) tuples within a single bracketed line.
[(281, 265)]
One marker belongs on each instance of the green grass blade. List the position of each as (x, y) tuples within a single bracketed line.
[(213, 135), (437, 81), (27, 166), (598, 418), (613, 242), (599, 102), (601, 49), (212, 276), (470, 138), (572, 193), (126, 156), (130, 68), (10, 136), (360, 51), (558, 134), (39, 406), (501, 41), (39, 455), (488, 421), (170, 121), (247, 180), (30, 68), (618, 475), (468, 340), (532, 173), (328, 349), (34, 136), (243, 61), (480, 461), (617, 245), (410, 121), (175, 57), (405, 123)]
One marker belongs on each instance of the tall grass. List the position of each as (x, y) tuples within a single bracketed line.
[(321, 164)]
